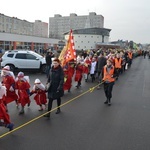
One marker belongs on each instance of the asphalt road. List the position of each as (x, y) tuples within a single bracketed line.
[(86, 123)]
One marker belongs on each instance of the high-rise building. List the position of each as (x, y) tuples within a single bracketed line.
[(23, 27), (40, 28), (15, 25), (58, 25)]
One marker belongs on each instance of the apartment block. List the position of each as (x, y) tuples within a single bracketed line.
[(17, 26), (40, 28), (58, 25)]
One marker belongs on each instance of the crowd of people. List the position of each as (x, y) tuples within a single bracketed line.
[(103, 66)]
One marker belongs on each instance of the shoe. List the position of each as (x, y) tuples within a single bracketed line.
[(109, 103), (58, 111), (47, 115), (21, 112), (98, 88), (106, 102), (10, 126), (41, 109), (77, 86), (17, 105), (29, 104)]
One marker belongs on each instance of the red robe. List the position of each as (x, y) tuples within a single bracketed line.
[(23, 86), (9, 81), (71, 68), (68, 79), (40, 97), (78, 73), (3, 114)]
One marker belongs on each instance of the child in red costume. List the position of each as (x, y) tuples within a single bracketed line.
[(23, 86), (67, 78), (8, 80), (4, 116), (78, 74), (40, 97)]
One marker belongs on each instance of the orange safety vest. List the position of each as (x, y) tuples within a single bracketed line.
[(108, 75), (118, 63), (130, 55)]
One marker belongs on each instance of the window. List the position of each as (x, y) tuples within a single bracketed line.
[(29, 56), (10, 55), (20, 56)]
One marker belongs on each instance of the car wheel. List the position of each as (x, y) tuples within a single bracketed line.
[(43, 68), (12, 68)]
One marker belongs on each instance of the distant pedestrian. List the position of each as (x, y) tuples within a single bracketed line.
[(48, 59)]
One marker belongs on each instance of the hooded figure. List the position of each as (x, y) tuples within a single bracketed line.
[(4, 117), (40, 94)]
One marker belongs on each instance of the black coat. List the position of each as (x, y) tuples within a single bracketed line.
[(100, 63), (56, 80), (48, 59)]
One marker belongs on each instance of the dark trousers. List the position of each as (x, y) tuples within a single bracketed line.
[(118, 71), (48, 67), (93, 77), (50, 102), (108, 90), (79, 82)]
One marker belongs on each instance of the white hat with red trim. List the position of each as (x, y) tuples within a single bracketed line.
[(20, 74), (6, 68), (37, 81)]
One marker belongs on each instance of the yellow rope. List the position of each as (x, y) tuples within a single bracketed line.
[(69, 101)]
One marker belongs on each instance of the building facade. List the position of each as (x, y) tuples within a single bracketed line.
[(23, 27), (40, 29), (58, 25), (21, 34), (89, 37), (9, 41)]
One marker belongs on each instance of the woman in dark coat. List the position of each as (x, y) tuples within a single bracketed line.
[(56, 81)]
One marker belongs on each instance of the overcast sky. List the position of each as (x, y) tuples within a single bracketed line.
[(128, 19)]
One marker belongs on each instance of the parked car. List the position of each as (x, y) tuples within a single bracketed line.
[(23, 60)]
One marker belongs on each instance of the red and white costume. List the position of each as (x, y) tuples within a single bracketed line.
[(4, 116), (8, 80), (40, 94), (23, 86)]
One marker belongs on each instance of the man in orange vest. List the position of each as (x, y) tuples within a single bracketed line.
[(109, 79), (118, 65), (130, 56)]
